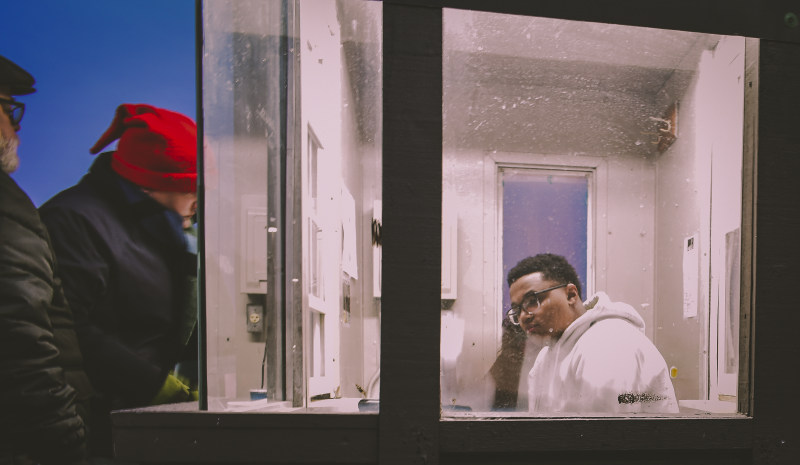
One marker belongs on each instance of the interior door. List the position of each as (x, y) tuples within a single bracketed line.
[(320, 89)]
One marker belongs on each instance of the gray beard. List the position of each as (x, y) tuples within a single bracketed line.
[(9, 160)]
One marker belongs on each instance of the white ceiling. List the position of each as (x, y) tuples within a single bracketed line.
[(554, 39), (494, 63)]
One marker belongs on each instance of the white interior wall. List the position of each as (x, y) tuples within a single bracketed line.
[(727, 126), (710, 121), (361, 165), (360, 336), (361, 24), (682, 201), (234, 362), (352, 370), (221, 280), (628, 269)]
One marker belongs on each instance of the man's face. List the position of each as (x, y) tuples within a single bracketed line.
[(8, 140), (183, 203), (557, 308)]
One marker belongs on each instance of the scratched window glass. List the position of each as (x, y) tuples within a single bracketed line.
[(292, 171), (592, 253)]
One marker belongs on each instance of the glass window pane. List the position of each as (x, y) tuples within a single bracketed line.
[(292, 105), (619, 149)]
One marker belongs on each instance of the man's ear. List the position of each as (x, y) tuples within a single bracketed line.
[(572, 293)]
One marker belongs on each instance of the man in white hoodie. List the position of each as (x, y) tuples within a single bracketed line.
[(596, 358)]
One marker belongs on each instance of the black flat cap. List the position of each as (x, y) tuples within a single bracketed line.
[(15, 79)]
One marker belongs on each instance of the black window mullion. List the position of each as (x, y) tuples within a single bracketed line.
[(412, 222)]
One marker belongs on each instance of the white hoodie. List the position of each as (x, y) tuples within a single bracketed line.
[(603, 363)]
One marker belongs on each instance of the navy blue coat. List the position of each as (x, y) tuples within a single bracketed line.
[(125, 268)]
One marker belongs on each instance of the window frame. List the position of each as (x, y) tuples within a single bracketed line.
[(596, 169), (408, 428)]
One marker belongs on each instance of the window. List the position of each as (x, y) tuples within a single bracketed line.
[(292, 97), (546, 210), (604, 145)]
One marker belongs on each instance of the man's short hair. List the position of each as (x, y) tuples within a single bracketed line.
[(553, 268)]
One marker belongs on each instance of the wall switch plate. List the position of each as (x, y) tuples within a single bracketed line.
[(255, 318)]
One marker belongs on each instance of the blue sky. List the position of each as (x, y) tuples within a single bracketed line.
[(89, 56)]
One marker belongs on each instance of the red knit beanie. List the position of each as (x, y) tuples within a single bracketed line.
[(157, 148)]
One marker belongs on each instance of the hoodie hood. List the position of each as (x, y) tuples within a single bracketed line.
[(599, 307), (601, 358)]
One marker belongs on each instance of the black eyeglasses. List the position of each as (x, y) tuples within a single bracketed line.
[(13, 109), (530, 300)]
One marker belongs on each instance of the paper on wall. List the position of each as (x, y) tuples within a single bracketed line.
[(349, 248), (690, 276)]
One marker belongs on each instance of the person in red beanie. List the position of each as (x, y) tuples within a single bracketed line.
[(40, 363), (126, 264)]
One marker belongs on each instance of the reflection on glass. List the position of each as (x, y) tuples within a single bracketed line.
[(607, 145), (292, 105)]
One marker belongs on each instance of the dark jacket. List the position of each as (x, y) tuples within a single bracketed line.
[(124, 264), (38, 415)]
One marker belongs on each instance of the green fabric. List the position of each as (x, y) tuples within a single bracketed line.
[(172, 391), (193, 393)]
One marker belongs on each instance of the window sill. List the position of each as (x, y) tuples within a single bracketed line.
[(182, 433), (462, 434)]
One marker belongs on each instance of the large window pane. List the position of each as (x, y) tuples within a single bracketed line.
[(292, 105), (618, 148)]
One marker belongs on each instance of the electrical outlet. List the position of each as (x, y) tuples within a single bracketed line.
[(255, 318)]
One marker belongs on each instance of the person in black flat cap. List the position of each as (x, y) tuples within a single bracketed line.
[(40, 362)]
